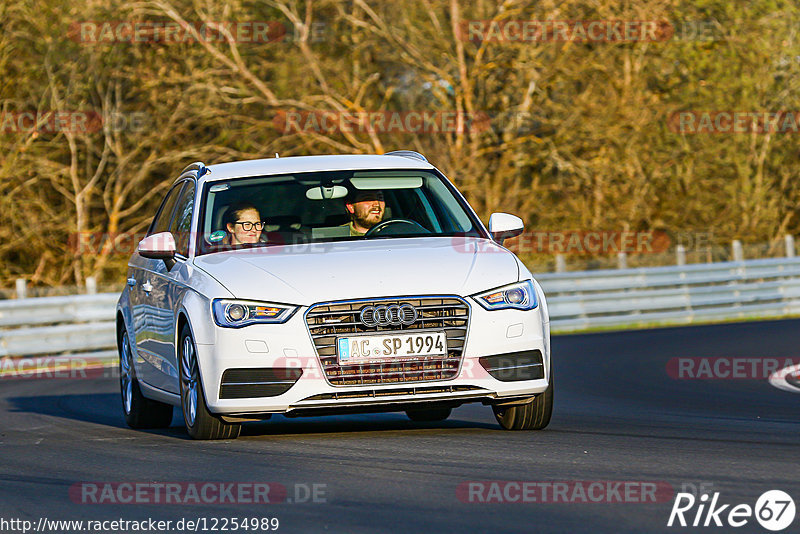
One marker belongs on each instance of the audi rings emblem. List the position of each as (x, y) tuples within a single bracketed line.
[(391, 315)]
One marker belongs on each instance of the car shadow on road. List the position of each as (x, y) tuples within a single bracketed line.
[(104, 409), (349, 424), (97, 408)]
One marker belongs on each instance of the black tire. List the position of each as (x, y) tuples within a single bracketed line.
[(200, 423), (139, 411), (534, 415), (427, 415)]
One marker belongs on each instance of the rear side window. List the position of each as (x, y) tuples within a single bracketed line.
[(182, 222), (162, 221)]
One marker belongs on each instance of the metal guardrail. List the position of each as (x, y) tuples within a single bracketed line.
[(673, 295), (84, 324), (50, 310)]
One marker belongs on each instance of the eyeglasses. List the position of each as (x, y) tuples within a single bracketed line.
[(247, 225)]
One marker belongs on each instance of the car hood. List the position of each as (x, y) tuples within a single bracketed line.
[(306, 274)]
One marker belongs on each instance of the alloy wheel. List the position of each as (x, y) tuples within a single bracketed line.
[(189, 380)]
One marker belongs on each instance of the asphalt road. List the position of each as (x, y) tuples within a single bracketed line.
[(619, 416)]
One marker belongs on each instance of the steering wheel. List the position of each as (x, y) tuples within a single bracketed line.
[(415, 227)]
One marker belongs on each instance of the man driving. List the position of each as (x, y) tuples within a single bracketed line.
[(366, 209)]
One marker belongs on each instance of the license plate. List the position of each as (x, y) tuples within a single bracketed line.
[(359, 349)]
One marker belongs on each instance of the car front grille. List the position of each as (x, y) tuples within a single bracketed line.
[(330, 320)]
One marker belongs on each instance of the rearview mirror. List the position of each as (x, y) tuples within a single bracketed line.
[(326, 193), (160, 246), (503, 226)]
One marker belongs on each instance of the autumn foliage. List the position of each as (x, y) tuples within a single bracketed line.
[(592, 121)]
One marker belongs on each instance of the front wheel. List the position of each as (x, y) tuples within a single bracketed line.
[(200, 423), (533, 415), (139, 411)]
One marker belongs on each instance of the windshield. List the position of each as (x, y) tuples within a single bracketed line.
[(331, 206)]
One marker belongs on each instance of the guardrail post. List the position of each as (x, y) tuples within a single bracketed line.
[(91, 285), (22, 290), (680, 255), (622, 260), (738, 253), (561, 263), (789, 240)]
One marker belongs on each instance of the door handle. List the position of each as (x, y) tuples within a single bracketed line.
[(131, 282), (147, 286)]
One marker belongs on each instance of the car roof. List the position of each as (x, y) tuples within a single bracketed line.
[(297, 164)]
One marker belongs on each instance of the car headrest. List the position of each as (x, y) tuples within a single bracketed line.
[(337, 219), (284, 223), (219, 218)]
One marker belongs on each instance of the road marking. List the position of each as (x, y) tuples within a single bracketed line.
[(778, 378)]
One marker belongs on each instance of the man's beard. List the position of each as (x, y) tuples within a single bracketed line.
[(371, 218)]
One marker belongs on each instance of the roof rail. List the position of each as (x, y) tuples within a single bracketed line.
[(407, 154), (198, 166)]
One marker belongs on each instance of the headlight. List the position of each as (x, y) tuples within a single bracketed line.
[(519, 296), (239, 313)]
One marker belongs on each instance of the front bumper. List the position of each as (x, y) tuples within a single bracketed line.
[(289, 345)]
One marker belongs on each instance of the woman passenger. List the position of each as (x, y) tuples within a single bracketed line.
[(243, 223)]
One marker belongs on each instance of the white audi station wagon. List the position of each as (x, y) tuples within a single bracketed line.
[(318, 285)]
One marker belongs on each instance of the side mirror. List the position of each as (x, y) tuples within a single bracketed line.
[(159, 246), (504, 225)]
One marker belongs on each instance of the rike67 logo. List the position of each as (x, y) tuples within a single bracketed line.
[(774, 510)]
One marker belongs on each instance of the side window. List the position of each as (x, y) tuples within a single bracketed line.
[(162, 220), (182, 222)]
